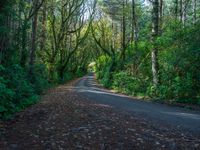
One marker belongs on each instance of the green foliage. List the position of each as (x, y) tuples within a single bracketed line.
[(124, 82), (106, 78), (129, 84), (40, 76), (19, 90), (16, 90), (67, 77), (179, 60), (6, 96), (81, 71), (62, 55), (102, 69)]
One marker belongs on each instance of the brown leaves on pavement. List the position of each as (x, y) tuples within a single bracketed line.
[(65, 120)]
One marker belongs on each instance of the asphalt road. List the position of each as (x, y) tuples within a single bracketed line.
[(158, 113)]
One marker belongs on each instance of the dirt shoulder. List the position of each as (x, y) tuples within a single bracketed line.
[(65, 120)]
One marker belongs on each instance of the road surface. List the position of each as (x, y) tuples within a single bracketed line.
[(80, 119), (158, 113)]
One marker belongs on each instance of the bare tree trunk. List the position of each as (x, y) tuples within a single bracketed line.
[(161, 15), (176, 10), (5, 39), (44, 19), (3, 43), (113, 36), (2, 37), (123, 32), (33, 42), (134, 24), (23, 58), (184, 6), (194, 4), (181, 10), (155, 32)]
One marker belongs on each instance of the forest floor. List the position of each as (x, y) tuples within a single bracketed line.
[(66, 120)]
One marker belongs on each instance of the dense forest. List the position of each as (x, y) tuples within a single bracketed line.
[(143, 48)]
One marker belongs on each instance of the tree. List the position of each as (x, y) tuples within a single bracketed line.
[(194, 4), (33, 39), (123, 30), (29, 10), (161, 6), (155, 33), (134, 24), (176, 2), (133, 43), (105, 42)]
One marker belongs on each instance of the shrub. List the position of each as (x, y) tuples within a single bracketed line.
[(179, 65), (6, 96), (40, 78), (103, 71), (16, 91), (126, 83)]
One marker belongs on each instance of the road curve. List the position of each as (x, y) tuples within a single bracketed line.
[(158, 113)]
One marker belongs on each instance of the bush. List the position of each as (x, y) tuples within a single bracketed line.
[(128, 84), (103, 71), (179, 65), (16, 90), (40, 76), (6, 96)]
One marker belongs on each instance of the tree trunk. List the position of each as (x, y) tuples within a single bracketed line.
[(123, 32), (194, 4), (24, 54), (113, 36), (184, 5), (5, 39), (43, 35), (155, 31), (33, 43), (161, 15), (134, 25), (181, 10), (176, 10)]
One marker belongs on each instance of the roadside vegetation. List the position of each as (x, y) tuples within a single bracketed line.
[(41, 45), (155, 52), (145, 48)]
